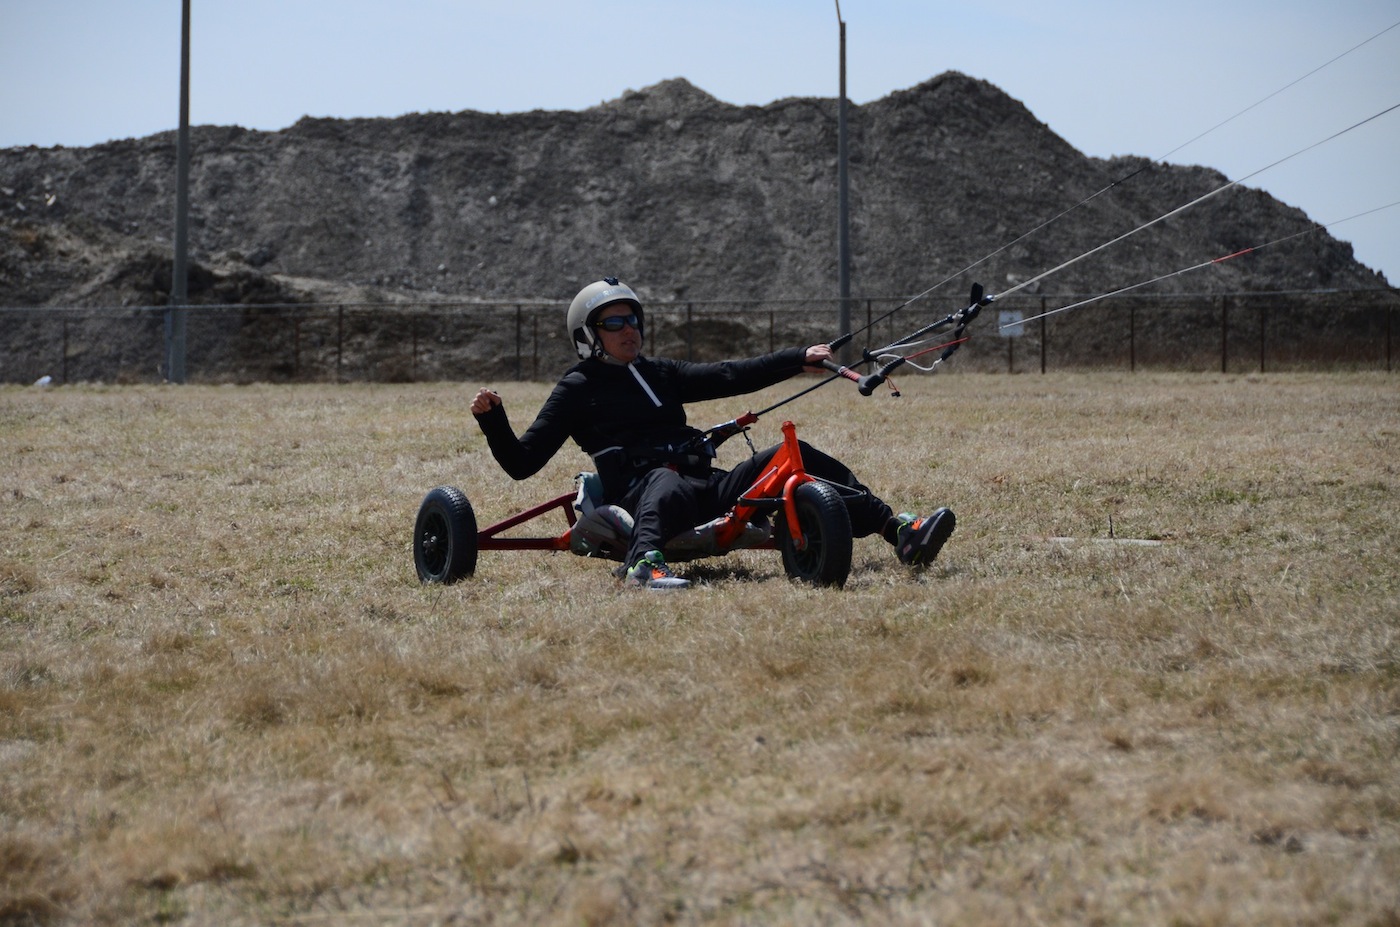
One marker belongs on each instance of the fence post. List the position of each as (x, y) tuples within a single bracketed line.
[(296, 347), (1042, 335), (1224, 334), (339, 342), (63, 362), (519, 349), (690, 331), (1132, 337)]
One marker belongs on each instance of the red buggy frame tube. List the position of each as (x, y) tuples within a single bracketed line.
[(778, 482), (796, 475), (487, 539)]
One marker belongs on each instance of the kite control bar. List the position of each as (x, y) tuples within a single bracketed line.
[(865, 383), (868, 383), (716, 435)]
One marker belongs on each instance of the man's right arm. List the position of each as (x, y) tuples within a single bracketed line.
[(526, 455)]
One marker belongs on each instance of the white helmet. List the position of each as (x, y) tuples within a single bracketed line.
[(584, 310)]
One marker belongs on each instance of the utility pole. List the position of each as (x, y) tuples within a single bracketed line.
[(179, 295), (843, 201)]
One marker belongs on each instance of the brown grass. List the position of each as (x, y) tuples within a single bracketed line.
[(225, 699)]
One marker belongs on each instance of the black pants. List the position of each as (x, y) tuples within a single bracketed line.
[(664, 503)]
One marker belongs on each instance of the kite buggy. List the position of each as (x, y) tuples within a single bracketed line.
[(791, 505)]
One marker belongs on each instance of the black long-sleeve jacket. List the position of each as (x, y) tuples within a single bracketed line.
[(641, 405)]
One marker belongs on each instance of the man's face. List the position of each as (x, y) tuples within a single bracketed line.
[(624, 345)]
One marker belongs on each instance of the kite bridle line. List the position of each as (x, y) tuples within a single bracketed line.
[(1194, 267), (1161, 160), (867, 384), (1196, 202), (962, 317), (890, 360)]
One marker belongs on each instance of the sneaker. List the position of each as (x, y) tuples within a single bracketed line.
[(651, 572), (920, 539)]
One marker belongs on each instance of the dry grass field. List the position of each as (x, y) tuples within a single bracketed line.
[(225, 698)]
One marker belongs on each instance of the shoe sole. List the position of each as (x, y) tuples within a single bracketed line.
[(659, 586), (660, 583)]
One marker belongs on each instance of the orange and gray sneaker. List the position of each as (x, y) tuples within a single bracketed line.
[(651, 572), (918, 540)]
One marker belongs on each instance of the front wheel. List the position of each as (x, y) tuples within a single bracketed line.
[(444, 537), (825, 560)]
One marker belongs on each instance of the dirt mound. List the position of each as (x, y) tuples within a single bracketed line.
[(684, 196)]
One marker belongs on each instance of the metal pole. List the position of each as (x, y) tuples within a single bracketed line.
[(843, 201), (175, 314), (1224, 334), (1042, 335), (1390, 312)]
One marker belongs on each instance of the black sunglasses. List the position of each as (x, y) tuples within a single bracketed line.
[(617, 323)]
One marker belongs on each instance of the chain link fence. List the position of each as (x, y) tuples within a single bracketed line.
[(477, 341)]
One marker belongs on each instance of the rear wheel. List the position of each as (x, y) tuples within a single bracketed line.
[(825, 559), (444, 537)]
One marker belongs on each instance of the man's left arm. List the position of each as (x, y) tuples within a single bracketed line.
[(698, 382)]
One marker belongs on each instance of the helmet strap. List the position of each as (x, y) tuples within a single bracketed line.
[(605, 357)]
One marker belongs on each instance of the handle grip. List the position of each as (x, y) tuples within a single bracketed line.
[(721, 433), (868, 383), (841, 370)]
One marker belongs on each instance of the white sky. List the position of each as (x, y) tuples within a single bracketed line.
[(1109, 77)]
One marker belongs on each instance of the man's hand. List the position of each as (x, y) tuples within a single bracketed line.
[(814, 357), (485, 401)]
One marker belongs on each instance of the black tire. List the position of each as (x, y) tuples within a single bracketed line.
[(826, 560), (444, 537)]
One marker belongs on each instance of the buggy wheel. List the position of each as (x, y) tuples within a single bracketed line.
[(444, 537), (826, 558)]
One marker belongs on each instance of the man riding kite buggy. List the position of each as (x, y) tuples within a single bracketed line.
[(627, 412)]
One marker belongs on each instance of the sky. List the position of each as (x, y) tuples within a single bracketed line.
[(1111, 78)]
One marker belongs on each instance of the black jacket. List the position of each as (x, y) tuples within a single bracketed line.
[(604, 406)]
